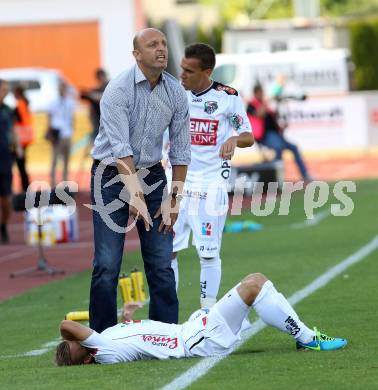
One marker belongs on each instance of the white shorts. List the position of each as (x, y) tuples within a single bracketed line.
[(204, 214), (215, 331)]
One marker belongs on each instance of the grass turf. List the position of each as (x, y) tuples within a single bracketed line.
[(291, 258)]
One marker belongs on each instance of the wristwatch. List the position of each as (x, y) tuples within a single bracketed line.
[(177, 197)]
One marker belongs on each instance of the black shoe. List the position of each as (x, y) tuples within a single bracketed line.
[(4, 234)]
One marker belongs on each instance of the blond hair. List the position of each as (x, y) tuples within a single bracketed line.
[(63, 354)]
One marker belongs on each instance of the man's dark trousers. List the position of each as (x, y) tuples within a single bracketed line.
[(156, 251)]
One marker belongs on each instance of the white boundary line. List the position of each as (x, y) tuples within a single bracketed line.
[(35, 352), (318, 217), (206, 364), (27, 250)]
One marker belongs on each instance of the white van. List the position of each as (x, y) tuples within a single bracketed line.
[(41, 86), (312, 72)]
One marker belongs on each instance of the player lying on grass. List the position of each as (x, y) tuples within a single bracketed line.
[(207, 333)]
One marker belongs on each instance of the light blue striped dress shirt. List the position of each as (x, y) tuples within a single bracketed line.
[(134, 117)]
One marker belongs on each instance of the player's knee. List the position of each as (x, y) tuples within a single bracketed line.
[(254, 283), (210, 261)]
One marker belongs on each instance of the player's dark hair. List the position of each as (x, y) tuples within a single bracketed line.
[(204, 53)]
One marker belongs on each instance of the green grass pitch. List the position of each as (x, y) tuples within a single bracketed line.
[(346, 307)]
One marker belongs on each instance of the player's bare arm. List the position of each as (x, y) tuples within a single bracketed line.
[(170, 206), (73, 331), (242, 140)]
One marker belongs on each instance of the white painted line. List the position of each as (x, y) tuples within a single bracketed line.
[(35, 352), (29, 250), (15, 255), (352, 169), (318, 217), (51, 344), (206, 364), (313, 221)]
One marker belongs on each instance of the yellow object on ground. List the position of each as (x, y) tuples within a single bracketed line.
[(139, 294), (78, 315), (126, 288)]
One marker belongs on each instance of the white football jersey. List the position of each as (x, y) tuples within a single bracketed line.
[(136, 340), (205, 334), (215, 114)]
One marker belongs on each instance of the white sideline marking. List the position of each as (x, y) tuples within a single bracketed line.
[(27, 250), (206, 364), (51, 344), (318, 217), (16, 254), (35, 352), (312, 222)]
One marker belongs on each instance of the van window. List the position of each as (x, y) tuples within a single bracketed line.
[(277, 45), (28, 85), (225, 74)]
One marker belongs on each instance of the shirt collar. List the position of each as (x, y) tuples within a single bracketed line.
[(204, 91), (139, 76)]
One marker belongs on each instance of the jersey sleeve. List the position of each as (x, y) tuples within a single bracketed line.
[(237, 115), (106, 350)]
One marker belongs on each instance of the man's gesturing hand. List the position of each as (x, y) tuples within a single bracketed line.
[(138, 209), (169, 211), (137, 204)]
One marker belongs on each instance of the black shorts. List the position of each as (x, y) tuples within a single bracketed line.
[(5, 183)]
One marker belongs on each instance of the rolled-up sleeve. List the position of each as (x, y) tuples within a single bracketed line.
[(179, 134), (115, 121)]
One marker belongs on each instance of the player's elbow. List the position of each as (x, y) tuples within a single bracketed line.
[(245, 140), (64, 327), (248, 140), (251, 140)]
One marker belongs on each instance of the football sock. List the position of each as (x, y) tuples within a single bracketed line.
[(210, 278), (274, 309), (234, 310), (207, 302), (174, 265)]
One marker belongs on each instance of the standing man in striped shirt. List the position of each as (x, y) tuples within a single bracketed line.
[(136, 108)]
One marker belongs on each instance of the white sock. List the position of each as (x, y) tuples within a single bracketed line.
[(207, 303), (210, 278), (174, 265), (274, 309), (234, 311)]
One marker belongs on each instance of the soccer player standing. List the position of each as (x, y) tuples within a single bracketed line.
[(218, 124)]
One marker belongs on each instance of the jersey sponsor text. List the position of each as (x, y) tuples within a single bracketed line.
[(203, 131), (161, 341)]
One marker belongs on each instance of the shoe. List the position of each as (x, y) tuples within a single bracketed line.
[(4, 234), (322, 342)]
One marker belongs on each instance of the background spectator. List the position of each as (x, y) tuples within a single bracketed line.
[(93, 96), (24, 131), (60, 129), (269, 133), (8, 147)]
